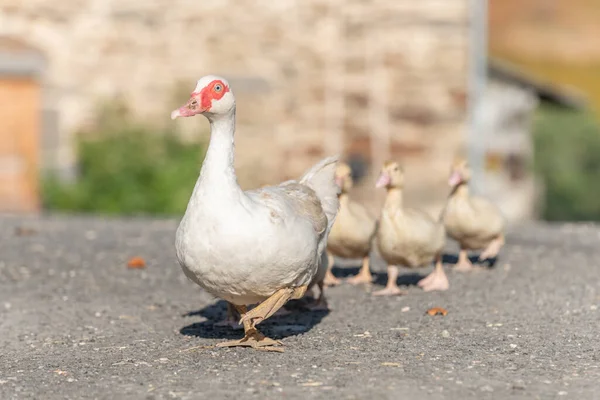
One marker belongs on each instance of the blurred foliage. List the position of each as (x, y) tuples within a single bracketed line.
[(128, 167), (567, 158)]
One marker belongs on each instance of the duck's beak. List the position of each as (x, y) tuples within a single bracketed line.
[(191, 108), (454, 179), (383, 180), (339, 181)]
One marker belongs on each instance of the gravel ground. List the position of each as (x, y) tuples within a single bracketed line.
[(76, 323)]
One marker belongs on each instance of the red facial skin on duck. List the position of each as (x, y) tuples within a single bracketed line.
[(201, 102)]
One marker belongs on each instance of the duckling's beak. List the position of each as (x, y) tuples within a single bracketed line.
[(339, 181), (383, 180), (455, 178)]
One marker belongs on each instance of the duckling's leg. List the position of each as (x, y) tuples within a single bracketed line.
[(391, 288), (252, 337), (232, 318), (463, 264), (330, 279), (437, 280), (493, 248), (364, 275), (321, 303), (268, 307)]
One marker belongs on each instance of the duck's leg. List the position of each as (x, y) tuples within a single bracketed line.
[(330, 279), (463, 264), (252, 337), (391, 288), (270, 306), (321, 303), (491, 251), (437, 280), (232, 318), (364, 275)]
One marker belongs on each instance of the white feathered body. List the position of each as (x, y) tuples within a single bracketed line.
[(244, 246)]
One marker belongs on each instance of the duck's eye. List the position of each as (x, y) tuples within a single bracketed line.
[(194, 103), (396, 169), (218, 87)]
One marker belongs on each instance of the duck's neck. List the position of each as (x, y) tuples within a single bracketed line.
[(218, 172), (393, 200), (460, 190), (343, 199)]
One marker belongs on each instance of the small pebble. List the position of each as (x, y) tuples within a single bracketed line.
[(445, 333), (405, 309), (518, 385), (513, 346)]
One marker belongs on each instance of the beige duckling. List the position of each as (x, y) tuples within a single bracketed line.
[(408, 237), (474, 222), (352, 232)]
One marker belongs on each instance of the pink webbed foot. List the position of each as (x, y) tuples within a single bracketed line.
[(434, 281)]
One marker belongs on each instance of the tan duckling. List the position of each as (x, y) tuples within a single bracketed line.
[(352, 232), (474, 222), (407, 237)]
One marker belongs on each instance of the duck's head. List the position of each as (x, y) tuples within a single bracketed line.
[(391, 176), (459, 173), (211, 97), (343, 177)]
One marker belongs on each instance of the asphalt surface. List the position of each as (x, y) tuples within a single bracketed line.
[(76, 323)]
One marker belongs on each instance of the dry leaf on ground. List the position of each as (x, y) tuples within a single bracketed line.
[(437, 311), (24, 231), (136, 263)]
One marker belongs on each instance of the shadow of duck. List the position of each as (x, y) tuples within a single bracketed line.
[(452, 259), (277, 327)]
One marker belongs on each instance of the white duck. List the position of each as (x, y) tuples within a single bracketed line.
[(259, 246)]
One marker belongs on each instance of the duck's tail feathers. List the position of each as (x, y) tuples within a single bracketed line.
[(321, 179)]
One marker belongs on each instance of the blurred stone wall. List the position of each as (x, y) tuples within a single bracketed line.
[(377, 78)]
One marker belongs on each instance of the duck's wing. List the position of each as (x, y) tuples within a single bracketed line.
[(307, 204), (313, 198)]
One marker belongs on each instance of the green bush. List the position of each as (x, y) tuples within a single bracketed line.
[(126, 167), (567, 158)]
